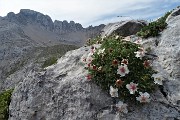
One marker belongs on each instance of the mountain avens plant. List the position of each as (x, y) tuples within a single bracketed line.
[(121, 68)]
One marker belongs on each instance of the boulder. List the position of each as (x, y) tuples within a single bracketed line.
[(174, 13), (59, 93), (123, 28)]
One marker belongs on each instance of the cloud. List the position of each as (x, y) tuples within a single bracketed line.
[(93, 12)]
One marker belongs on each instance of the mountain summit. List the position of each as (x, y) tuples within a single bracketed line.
[(26, 16)]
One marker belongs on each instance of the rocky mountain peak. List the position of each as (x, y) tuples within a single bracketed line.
[(64, 26), (28, 12), (27, 16)]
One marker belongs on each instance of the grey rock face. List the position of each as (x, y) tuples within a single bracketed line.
[(26, 16), (123, 28), (60, 93), (166, 47), (169, 57), (14, 44)]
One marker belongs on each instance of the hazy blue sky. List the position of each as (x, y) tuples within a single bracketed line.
[(93, 12)]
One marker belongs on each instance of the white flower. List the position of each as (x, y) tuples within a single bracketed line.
[(143, 98), (101, 51), (113, 92), (88, 65), (132, 87), (140, 53), (139, 41), (93, 50), (100, 68), (158, 79), (87, 60), (117, 36), (128, 38), (122, 107), (97, 46), (122, 70), (88, 77), (83, 60)]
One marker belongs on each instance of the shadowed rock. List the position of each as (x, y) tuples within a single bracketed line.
[(123, 28)]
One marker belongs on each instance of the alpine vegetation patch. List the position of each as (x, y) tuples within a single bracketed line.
[(121, 68), (154, 28), (5, 99)]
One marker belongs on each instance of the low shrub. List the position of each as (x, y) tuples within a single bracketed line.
[(154, 28), (121, 68)]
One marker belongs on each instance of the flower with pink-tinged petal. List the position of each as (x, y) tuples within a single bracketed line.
[(124, 61), (93, 49), (87, 61), (146, 63), (89, 58), (132, 87), (113, 92), (121, 107), (83, 60), (128, 38), (139, 41), (89, 77), (88, 65), (115, 62), (140, 53), (94, 67), (143, 98), (119, 83), (122, 70)]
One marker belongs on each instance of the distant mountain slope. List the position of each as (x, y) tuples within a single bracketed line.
[(21, 33)]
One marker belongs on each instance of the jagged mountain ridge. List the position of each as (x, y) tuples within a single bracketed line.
[(61, 31), (26, 16)]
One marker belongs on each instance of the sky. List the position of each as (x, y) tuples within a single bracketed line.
[(92, 12)]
